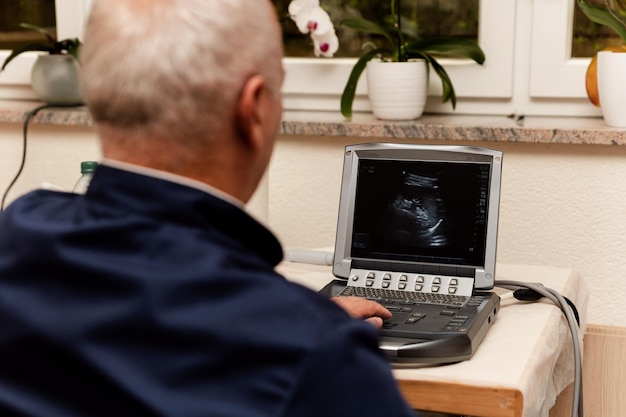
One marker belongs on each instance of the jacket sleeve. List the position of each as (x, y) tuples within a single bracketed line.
[(347, 375)]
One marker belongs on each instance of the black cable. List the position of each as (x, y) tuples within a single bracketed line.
[(574, 309), (526, 294), (29, 116)]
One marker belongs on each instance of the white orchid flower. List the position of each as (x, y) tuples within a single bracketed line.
[(314, 20), (311, 18), (298, 6), (325, 44)]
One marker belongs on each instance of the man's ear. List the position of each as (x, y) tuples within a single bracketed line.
[(250, 116)]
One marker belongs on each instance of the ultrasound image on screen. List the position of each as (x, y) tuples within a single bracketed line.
[(422, 211)]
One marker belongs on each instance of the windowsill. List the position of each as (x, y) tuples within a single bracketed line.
[(15, 112), (453, 127), (563, 130)]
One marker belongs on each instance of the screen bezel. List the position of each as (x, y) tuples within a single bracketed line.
[(482, 274)]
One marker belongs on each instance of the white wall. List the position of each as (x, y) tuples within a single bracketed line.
[(561, 205), (53, 154)]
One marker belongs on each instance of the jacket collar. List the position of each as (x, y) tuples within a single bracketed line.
[(158, 196)]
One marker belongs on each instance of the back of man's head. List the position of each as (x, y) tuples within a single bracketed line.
[(175, 68)]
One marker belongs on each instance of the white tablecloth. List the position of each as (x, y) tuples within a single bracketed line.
[(528, 347)]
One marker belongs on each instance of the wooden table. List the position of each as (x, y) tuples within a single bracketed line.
[(524, 362)]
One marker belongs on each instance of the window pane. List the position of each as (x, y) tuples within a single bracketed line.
[(14, 12), (424, 19), (590, 37)]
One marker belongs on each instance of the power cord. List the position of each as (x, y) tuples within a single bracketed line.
[(526, 294), (532, 292), (29, 116)]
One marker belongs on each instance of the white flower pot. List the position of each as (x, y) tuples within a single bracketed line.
[(397, 90), (612, 87), (56, 79)]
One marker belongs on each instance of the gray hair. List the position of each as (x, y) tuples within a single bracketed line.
[(160, 66)]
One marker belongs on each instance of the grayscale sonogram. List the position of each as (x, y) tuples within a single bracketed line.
[(416, 216)]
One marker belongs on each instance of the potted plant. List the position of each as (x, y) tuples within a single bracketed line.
[(405, 47), (408, 79), (608, 79), (55, 76)]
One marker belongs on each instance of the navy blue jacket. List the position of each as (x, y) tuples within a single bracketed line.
[(146, 297)]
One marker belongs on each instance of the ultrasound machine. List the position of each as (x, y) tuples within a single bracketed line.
[(417, 232)]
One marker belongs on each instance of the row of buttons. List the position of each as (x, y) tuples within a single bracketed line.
[(404, 278), (412, 319), (419, 286), (403, 297), (456, 323)]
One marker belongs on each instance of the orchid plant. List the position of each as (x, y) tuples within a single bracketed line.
[(49, 44), (404, 45)]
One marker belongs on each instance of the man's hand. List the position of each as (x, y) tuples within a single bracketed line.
[(362, 308)]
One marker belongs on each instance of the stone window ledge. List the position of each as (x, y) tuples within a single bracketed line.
[(562, 130)]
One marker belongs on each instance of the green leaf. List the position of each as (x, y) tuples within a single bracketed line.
[(366, 26), (418, 54), (72, 46), (74, 50), (603, 17), (26, 48), (347, 97), (446, 83), (41, 30), (450, 47)]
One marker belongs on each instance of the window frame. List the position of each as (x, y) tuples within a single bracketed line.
[(71, 16), (556, 79), (528, 69), (554, 72)]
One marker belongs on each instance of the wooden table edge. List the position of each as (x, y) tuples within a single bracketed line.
[(473, 400)]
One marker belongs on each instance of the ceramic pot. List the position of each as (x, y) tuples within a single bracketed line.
[(56, 79), (612, 87), (397, 90)]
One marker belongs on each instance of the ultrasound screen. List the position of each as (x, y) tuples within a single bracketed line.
[(421, 211)]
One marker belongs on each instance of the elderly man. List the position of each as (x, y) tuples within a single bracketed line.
[(154, 294)]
